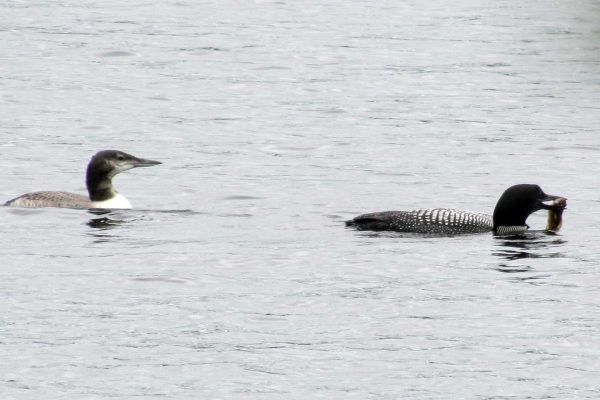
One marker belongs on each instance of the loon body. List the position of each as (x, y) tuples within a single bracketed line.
[(103, 166), (510, 216)]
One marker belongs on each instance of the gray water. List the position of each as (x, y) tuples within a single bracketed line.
[(233, 277)]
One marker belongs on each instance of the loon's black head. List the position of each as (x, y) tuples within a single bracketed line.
[(518, 202), (112, 162), (104, 165)]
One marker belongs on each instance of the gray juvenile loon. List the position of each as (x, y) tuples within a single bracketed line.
[(510, 215), (103, 166)]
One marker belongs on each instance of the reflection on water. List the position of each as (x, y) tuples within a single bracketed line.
[(102, 226), (112, 218), (527, 246), (107, 221), (104, 223)]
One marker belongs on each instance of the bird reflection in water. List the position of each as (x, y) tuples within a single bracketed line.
[(102, 225), (526, 246)]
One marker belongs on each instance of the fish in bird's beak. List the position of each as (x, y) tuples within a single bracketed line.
[(554, 205), (555, 214)]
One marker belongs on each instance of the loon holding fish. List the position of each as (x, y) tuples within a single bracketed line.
[(103, 166), (510, 215)]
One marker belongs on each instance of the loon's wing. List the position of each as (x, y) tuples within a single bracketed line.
[(50, 199), (432, 220)]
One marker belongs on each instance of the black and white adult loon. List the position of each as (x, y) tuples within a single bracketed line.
[(510, 215), (103, 166)]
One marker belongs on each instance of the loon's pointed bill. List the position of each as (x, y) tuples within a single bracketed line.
[(113, 162), (102, 167), (510, 215), (141, 162)]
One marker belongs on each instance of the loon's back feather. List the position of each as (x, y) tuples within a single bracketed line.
[(50, 199), (444, 221)]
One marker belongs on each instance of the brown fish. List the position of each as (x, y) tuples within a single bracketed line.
[(555, 214)]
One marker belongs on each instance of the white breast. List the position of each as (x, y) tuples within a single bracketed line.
[(117, 201)]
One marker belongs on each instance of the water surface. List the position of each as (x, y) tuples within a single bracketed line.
[(234, 277)]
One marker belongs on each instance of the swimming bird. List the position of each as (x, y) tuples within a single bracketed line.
[(510, 215), (103, 166)]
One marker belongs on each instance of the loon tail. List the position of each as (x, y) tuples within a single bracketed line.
[(378, 221)]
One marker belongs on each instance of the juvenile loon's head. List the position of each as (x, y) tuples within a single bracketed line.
[(104, 165), (518, 202)]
